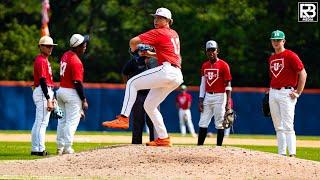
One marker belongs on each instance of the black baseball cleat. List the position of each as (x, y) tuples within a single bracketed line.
[(43, 153)]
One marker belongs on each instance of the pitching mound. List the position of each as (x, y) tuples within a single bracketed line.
[(138, 161)]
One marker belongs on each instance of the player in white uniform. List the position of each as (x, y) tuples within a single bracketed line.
[(70, 95), (42, 96), (288, 78), (215, 93), (183, 103), (161, 80)]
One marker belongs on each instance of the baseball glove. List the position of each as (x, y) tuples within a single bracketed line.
[(265, 105), (57, 112), (229, 118)]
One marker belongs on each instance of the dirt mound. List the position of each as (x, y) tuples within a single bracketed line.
[(193, 162)]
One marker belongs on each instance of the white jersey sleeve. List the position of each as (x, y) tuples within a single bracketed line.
[(202, 88)]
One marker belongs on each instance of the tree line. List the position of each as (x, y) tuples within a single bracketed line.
[(241, 27)]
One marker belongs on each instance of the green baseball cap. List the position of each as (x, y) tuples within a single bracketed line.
[(277, 34)]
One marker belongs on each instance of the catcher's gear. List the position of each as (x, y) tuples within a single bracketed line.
[(229, 118), (265, 105)]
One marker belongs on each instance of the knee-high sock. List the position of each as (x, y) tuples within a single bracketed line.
[(202, 135), (220, 135)]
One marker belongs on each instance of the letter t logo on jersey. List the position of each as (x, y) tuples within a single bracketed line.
[(276, 66), (211, 75)]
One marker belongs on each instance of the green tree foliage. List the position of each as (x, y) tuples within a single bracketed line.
[(241, 28)]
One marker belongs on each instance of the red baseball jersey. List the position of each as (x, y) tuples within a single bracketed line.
[(284, 68), (42, 69), (71, 69), (166, 43), (183, 100), (216, 75)]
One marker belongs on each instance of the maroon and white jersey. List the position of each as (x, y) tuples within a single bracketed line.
[(184, 100), (42, 69), (216, 75), (71, 69), (284, 68)]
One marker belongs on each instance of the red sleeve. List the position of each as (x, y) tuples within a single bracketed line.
[(42, 67), (202, 70), (227, 73), (149, 37), (76, 71), (296, 64), (190, 98)]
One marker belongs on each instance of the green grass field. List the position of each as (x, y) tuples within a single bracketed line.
[(21, 150)]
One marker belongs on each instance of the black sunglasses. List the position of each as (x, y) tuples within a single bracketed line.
[(47, 46)]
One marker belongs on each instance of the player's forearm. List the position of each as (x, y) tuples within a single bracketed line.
[(133, 43), (79, 88), (44, 88), (302, 77), (202, 87)]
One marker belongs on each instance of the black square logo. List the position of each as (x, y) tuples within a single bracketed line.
[(307, 11)]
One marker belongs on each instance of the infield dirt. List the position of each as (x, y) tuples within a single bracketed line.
[(142, 162)]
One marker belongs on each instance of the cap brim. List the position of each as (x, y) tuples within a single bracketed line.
[(276, 38), (86, 38), (49, 44)]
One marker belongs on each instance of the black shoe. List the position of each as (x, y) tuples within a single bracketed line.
[(292, 155), (43, 153)]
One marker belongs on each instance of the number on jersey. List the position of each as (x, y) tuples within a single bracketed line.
[(176, 45), (63, 66)]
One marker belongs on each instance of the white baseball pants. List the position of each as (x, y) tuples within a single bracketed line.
[(161, 81), (40, 124), (71, 105), (213, 105), (185, 119), (282, 109)]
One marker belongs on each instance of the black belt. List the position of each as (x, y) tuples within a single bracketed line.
[(176, 66), (211, 92), (287, 87)]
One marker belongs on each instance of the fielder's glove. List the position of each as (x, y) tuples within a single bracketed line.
[(57, 112), (144, 47), (229, 118), (265, 105)]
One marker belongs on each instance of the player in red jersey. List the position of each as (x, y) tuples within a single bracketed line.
[(70, 95), (215, 93), (160, 80), (42, 96), (183, 103), (288, 78)]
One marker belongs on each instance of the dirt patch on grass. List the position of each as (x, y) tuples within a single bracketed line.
[(139, 161)]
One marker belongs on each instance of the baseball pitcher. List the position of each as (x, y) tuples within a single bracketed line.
[(161, 80)]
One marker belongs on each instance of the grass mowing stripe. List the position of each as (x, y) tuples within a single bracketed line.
[(21, 150), (302, 152), (129, 133)]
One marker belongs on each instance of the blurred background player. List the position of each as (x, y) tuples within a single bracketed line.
[(161, 80), (288, 78), (183, 103), (139, 117), (42, 95), (215, 93), (70, 95)]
